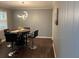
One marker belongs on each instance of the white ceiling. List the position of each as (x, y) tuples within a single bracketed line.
[(27, 4)]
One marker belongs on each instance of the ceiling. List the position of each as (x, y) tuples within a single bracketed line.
[(26, 4)]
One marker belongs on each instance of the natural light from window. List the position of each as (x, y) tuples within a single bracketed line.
[(3, 19)]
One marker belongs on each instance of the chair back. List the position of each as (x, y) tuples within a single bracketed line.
[(6, 30), (21, 40), (26, 27), (10, 37), (35, 33)]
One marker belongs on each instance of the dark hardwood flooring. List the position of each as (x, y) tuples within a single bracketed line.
[(44, 50)]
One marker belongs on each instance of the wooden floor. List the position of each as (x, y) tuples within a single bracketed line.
[(44, 50)]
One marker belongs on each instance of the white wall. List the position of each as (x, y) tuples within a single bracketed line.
[(40, 19), (10, 19), (55, 31), (65, 30), (76, 28), (67, 41)]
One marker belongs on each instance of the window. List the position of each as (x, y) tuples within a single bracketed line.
[(3, 19)]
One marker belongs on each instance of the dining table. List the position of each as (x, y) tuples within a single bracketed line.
[(20, 30), (21, 33)]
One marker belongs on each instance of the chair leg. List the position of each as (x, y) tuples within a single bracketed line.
[(12, 45), (33, 46), (9, 45), (12, 53)]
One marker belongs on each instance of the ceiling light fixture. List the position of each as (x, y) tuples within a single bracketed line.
[(24, 15), (22, 2)]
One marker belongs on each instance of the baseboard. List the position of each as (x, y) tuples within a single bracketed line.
[(43, 37), (54, 49)]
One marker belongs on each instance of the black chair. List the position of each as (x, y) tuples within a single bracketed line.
[(21, 40), (27, 28), (5, 32), (16, 39), (10, 37), (24, 37), (32, 36)]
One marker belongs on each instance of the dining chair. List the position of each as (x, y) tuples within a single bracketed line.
[(10, 37), (27, 28), (16, 39), (32, 36), (24, 37), (6, 31), (21, 40)]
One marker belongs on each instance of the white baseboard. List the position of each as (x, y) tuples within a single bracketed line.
[(54, 49), (43, 37)]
